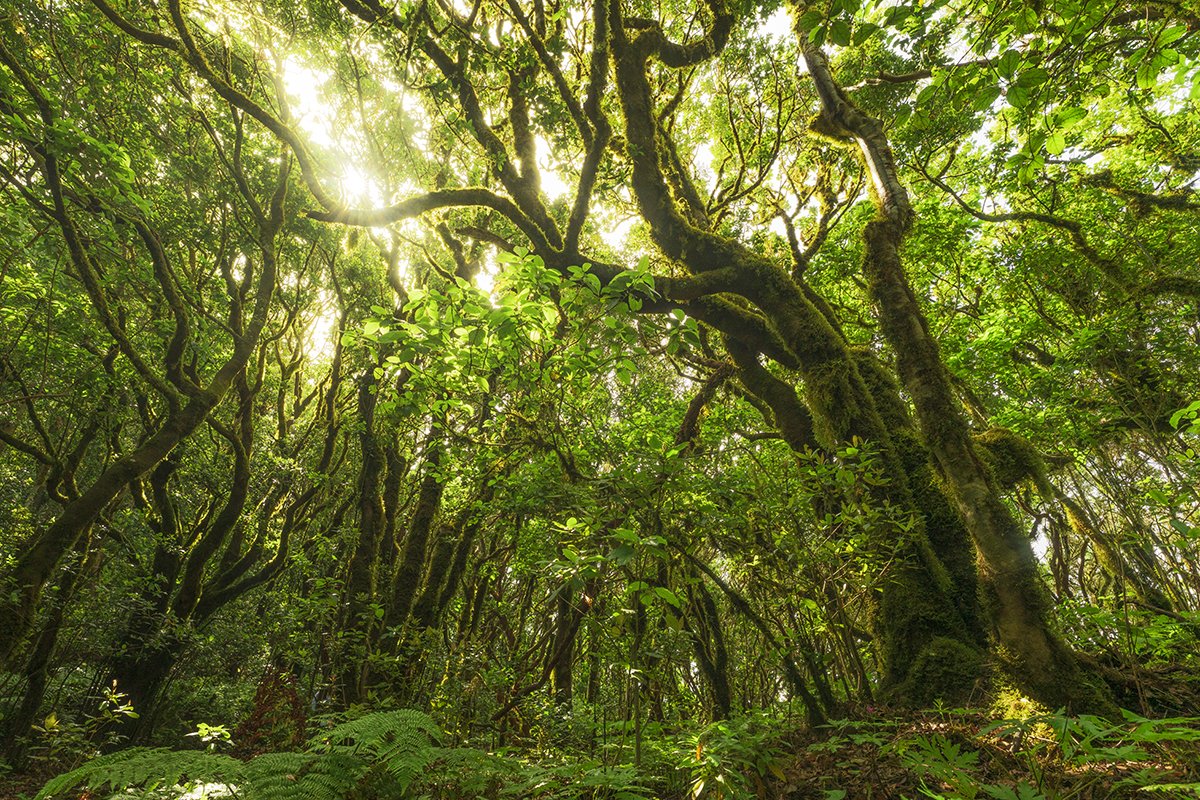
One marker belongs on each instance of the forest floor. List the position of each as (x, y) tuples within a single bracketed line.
[(24, 785), (942, 754), (973, 755)]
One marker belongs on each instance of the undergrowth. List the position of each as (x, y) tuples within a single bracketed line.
[(964, 755), (394, 754), (941, 754)]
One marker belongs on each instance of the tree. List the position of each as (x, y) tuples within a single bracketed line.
[(926, 269)]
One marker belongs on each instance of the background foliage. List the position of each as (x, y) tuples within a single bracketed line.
[(543, 399)]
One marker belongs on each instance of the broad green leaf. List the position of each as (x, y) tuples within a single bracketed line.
[(1017, 96), (839, 33), (983, 100), (668, 596)]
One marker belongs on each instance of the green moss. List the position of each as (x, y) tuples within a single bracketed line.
[(944, 528), (913, 614), (825, 128), (1010, 703), (1012, 459), (837, 412), (883, 388), (946, 670), (1067, 686)]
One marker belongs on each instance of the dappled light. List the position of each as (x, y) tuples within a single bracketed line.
[(603, 400)]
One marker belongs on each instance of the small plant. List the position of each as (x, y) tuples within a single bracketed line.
[(733, 759), (66, 743), (213, 736), (276, 720), (854, 732)]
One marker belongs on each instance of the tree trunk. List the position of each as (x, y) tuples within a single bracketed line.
[(916, 606), (37, 667), (1011, 590)]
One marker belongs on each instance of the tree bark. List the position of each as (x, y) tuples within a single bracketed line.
[(1012, 594)]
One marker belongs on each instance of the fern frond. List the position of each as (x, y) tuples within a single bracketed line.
[(383, 730), (401, 742), (147, 768), (302, 776), (391, 748), (466, 772), (274, 774)]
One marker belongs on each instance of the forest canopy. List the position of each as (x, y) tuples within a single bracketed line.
[(542, 367)]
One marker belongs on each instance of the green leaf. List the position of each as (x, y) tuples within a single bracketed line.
[(1068, 116), (1147, 75), (1008, 63), (839, 33), (1190, 412), (984, 99), (927, 95), (864, 31), (667, 595), (896, 15), (1183, 528), (1166, 58), (621, 555), (1035, 76), (1172, 34), (1017, 96), (810, 20)]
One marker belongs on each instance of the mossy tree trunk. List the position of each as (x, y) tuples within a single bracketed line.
[(38, 665), (189, 401), (1012, 593), (786, 320)]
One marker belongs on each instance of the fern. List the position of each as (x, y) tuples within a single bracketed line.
[(1174, 789), (576, 780), (300, 776), (401, 742), (147, 769), (466, 772), (382, 729), (385, 750)]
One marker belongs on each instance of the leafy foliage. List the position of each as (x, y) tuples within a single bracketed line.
[(386, 750), (611, 383), (148, 769)]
